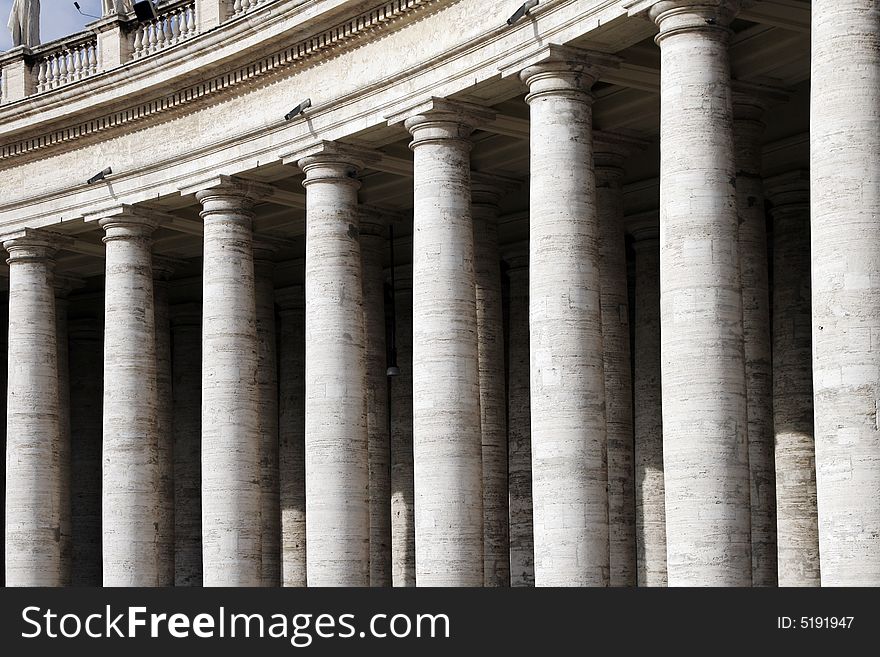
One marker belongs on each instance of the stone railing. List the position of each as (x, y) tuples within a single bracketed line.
[(68, 60), (241, 6), (176, 23)]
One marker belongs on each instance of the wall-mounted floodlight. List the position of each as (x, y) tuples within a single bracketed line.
[(299, 109), (99, 176), (522, 11), (76, 4), (145, 10)]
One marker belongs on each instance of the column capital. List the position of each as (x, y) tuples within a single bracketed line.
[(372, 221), (611, 150), (227, 193), (516, 256), (64, 285), (678, 16), (563, 71), (441, 119), (789, 192), (643, 227), (487, 190), (186, 314), (290, 299), (127, 222), (330, 160), (264, 251), (163, 268), (32, 244)]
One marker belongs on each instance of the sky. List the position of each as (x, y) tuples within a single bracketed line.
[(58, 18)]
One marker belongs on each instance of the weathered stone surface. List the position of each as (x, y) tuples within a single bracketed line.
[(131, 485), (845, 237), (569, 465), (795, 452), (33, 418), (337, 458), (519, 452), (705, 450), (291, 434), (493, 413)]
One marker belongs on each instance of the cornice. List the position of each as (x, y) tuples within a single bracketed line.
[(382, 17)]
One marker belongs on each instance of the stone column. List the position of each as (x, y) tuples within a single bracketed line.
[(705, 450), (292, 428), (796, 515), (86, 389), (845, 216), (131, 486), (648, 407), (569, 469), (267, 384), (372, 227), (519, 442), (4, 370), (447, 458), (754, 272), (186, 334), (493, 411), (33, 418), (610, 155), (63, 287), (337, 458), (231, 439), (403, 535), (162, 270)]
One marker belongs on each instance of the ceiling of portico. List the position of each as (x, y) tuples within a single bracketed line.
[(769, 47)]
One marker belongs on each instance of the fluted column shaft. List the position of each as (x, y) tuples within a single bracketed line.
[(493, 411), (337, 460), (131, 485), (705, 450), (617, 365), (33, 420), (231, 439), (796, 513), (519, 451), (648, 412), (403, 542), (164, 416), (446, 388), (291, 455), (754, 272), (267, 384), (372, 227), (845, 237), (86, 379), (569, 469), (186, 334)]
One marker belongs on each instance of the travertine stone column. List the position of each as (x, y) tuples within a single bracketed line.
[(292, 429), (4, 326), (519, 442), (796, 514), (569, 470), (493, 411), (337, 459), (267, 385), (447, 458), (403, 535), (33, 418), (754, 271), (63, 287), (705, 450), (186, 332), (648, 407), (231, 439), (845, 217), (162, 270), (610, 155), (86, 389), (372, 229), (131, 487)]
